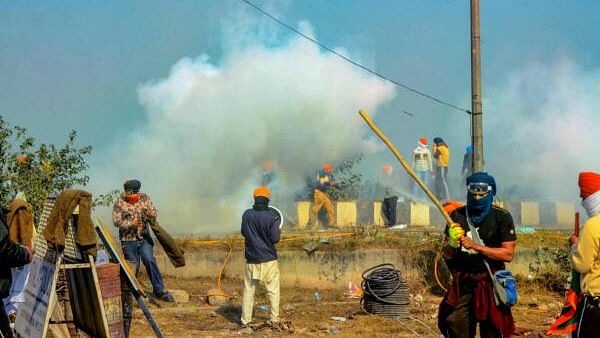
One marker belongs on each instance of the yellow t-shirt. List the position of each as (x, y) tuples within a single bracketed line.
[(586, 256), (443, 160)]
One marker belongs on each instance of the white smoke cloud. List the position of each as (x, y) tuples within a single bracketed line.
[(212, 125), (540, 130)]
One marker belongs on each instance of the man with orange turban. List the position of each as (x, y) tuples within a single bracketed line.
[(422, 165), (325, 182), (261, 228)]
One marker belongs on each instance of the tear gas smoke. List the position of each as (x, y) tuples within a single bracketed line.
[(540, 130), (540, 123), (210, 126)]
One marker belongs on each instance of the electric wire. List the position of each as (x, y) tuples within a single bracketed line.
[(365, 68), (408, 328), (425, 325)]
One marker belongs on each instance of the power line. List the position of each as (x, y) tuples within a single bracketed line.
[(418, 92)]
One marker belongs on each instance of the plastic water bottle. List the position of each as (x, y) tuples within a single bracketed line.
[(263, 308), (102, 258), (317, 296)]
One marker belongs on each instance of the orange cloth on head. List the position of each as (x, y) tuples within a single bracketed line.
[(423, 141), (262, 191), (589, 183), (451, 205), (327, 167)]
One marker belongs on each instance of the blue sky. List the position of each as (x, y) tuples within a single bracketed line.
[(78, 65), (82, 61)]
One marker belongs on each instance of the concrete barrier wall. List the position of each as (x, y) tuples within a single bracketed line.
[(526, 213), (322, 269)]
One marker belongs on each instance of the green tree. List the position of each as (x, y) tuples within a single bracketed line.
[(38, 170), (348, 181)]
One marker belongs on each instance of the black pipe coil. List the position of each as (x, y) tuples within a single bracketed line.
[(385, 292)]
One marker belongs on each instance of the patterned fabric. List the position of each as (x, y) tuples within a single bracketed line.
[(131, 219), (422, 158)]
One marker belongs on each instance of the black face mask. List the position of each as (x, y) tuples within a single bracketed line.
[(261, 203), (479, 208)]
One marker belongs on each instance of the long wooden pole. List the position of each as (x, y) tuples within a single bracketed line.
[(476, 99), (407, 167)]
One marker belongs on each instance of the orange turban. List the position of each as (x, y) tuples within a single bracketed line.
[(589, 183), (262, 191)]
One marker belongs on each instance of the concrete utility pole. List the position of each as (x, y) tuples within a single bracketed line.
[(476, 105)]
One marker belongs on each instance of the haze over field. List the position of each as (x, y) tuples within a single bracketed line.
[(193, 97)]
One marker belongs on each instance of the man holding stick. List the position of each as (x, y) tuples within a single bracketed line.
[(495, 226), (470, 297)]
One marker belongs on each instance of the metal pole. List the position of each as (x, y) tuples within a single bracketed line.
[(476, 104)]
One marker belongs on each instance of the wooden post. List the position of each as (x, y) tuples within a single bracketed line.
[(92, 266), (476, 100), (405, 164)]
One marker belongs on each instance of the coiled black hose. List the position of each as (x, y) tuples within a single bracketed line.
[(385, 292)]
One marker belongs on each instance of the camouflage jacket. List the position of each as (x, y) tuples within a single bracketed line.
[(131, 219)]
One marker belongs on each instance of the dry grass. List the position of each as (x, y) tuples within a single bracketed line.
[(537, 307)]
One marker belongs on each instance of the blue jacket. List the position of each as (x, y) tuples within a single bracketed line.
[(324, 180), (260, 227)]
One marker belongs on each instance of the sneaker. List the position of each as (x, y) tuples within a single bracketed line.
[(165, 296)]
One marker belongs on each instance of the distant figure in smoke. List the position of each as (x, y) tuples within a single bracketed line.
[(467, 167), (268, 177), (585, 254), (470, 297), (130, 214), (390, 195), (261, 231), (422, 164), (441, 153), (325, 181)]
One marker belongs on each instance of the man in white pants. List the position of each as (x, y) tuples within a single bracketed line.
[(261, 231)]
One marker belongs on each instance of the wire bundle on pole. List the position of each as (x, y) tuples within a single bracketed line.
[(385, 292)]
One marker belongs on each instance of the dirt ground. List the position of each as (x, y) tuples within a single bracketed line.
[(305, 316)]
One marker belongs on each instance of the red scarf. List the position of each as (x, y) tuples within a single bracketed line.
[(132, 199)]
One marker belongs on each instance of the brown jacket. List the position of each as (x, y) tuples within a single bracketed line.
[(58, 220), (20, 222)]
